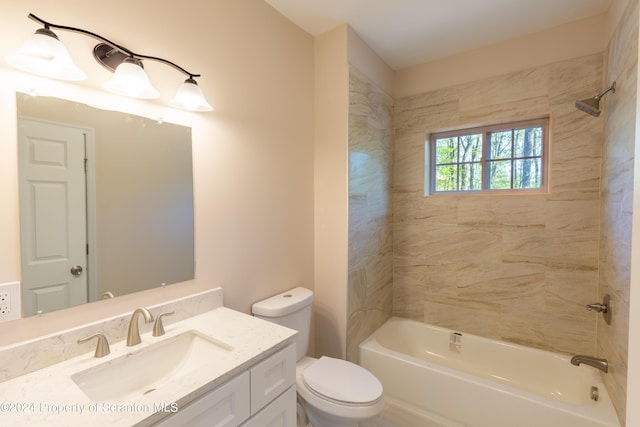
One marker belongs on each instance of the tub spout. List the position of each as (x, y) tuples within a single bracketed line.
[(601, 364)]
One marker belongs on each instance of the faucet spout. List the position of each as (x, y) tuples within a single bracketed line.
[(601, 364), (133, 336)]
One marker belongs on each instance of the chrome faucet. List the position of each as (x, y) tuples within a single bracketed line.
[(601, 364), (133, 336)]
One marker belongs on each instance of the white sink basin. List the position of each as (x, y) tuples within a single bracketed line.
[(143, 371)]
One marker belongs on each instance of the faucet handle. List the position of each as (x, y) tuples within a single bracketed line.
[(158, 328), (605, 308), (102, 349), (600, 308)]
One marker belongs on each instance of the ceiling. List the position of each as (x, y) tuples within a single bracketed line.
[(408, 32)]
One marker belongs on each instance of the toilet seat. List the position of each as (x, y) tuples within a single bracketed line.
[(342, 382), (329, 407)]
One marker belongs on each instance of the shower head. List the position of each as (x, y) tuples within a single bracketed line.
[(589, 106), (592, 105)]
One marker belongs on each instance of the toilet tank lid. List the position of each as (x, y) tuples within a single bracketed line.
[(284, 303)]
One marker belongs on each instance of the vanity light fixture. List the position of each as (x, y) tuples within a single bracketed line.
[(45, 55), (129, 79)]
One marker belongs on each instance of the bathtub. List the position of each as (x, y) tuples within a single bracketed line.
[(450, 379)]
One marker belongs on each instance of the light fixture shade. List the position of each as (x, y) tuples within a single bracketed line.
[(130, 80), (43, 54), (190, 97)]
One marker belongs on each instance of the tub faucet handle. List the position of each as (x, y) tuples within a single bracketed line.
[(605, 308), (598, 307)]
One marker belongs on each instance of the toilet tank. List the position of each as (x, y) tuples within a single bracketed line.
[(291, 309)]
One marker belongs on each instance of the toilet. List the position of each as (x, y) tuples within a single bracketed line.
[(331, 392)]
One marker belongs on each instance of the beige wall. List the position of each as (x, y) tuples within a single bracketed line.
[(616, 211), (364, 59), (571, 40), (370, 296), (331, 172), (346, 309), (253, 155)]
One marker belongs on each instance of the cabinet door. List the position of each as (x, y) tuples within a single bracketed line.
[(280, 413), (226, 406), (271, 377)]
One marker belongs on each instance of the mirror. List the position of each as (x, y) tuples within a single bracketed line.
[(123, 224)]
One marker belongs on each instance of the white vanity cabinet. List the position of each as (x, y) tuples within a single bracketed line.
[(263, 395)]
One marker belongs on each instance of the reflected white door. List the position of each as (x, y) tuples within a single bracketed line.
[(53, 224)]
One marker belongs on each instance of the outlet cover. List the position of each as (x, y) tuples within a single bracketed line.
[(5, 301), (10, 304)]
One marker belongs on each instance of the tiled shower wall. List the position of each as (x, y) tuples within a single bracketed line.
[(516, 268), (616, 205), (370, 229)]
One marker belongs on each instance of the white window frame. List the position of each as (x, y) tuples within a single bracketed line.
[(430, 156)]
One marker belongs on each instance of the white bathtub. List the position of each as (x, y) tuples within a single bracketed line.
[(466, 380)]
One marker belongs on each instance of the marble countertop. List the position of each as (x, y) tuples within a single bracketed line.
[(49, 397)]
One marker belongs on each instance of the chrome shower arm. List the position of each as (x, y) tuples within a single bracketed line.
[(610, 88)]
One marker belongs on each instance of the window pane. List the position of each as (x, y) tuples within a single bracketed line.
[(470, 177), (527, 173), (501, 156), (470, 148), (500, 174), (500, 145), (446, 150), (528, 142), (446, 178)]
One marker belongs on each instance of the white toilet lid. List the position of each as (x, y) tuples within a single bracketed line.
[(342, 381)]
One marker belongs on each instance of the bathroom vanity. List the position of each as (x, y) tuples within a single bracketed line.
[(257, 397), (216, 368)]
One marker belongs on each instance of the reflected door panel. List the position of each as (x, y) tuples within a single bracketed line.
[(53, 209)]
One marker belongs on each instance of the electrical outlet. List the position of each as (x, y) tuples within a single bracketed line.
[(5, 302), (10, 301)]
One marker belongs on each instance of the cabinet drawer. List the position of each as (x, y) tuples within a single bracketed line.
[(272, 376), (226, 406), (280, 413)]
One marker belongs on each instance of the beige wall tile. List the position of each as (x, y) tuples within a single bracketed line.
[(501, 266), (616, 211), (370, 289)]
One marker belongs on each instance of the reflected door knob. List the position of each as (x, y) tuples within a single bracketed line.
[(76, 270)]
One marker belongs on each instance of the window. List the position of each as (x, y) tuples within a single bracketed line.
[(507, 157)]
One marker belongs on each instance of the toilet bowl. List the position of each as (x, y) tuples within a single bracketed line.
[(337, 393), (331, 392)]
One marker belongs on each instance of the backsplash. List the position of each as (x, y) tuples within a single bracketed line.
[(28, 356)]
